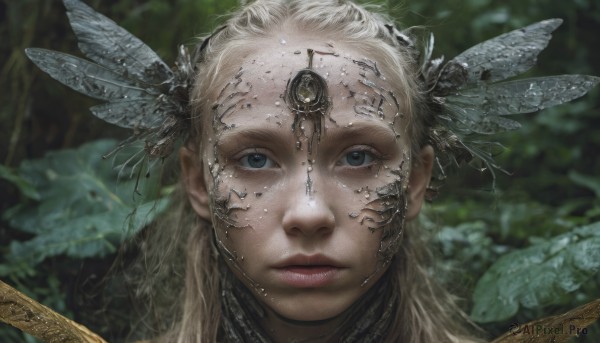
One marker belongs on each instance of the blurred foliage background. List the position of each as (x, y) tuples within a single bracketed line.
[(528, 249)]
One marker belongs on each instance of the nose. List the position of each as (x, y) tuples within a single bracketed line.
[(307, 212)]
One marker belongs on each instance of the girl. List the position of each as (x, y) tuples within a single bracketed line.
[(306, 165), (309, 147)]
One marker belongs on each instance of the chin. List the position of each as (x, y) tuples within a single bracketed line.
[(312, 309)]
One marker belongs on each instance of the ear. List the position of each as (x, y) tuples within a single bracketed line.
[(193, 179), (420, 175)]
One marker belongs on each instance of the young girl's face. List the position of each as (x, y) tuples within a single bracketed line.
[(307, 206)]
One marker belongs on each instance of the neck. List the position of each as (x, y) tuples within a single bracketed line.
[(283, 330), (246, 319)]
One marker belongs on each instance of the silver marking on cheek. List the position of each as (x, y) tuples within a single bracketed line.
[(387, 213), (234, 262)]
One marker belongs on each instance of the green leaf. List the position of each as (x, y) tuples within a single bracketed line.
[(537, 276), (586, 181), (23, 185), (86, 209)]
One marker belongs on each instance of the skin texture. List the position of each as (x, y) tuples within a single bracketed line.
[(271, 199)]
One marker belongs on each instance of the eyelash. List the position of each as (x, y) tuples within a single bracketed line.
[(245, 162), (371, 157), (370, 154)]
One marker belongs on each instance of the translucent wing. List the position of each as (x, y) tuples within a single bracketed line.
[(481, 110), (506, 55), (481, 104), (143, 93), (108, 44), (85, 77), (472, 98), (141, 113)]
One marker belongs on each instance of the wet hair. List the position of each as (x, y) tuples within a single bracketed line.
[(184, 297)]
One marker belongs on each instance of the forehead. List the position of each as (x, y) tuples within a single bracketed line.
[(357, 88), (274, 63)]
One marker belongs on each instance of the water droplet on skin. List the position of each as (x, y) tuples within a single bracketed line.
[(367, 196), (282, 41), (309, 169), (277, 103), (266, 210), (350, 124)]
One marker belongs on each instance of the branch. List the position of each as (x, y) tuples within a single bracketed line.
[(28, 315)]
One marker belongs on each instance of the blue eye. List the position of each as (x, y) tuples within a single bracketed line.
[(358, 158), (256, 161)]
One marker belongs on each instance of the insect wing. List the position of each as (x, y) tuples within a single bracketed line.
[(84, 76), (524, 96), (137, 113), (466, 120), (507, 55), (109, 45)]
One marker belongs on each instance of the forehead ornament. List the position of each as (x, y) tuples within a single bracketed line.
[(307, 92), (307, 97)]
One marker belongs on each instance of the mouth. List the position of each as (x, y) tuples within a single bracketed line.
[(308, 271)]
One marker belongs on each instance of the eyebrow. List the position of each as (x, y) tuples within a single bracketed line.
[(233, 137), (360, 129)]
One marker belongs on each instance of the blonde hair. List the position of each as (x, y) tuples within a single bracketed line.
[(342, 22), (424, 312)]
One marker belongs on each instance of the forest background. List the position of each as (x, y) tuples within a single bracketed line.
[(526, 249)]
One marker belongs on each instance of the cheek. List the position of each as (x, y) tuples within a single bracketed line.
[(243, 204), (369, 212), (382, 209)]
